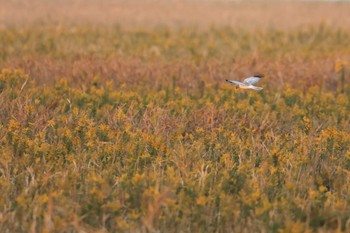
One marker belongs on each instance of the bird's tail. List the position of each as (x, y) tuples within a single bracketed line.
[(257, 88)]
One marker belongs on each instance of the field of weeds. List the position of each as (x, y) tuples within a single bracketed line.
[(112, 129)]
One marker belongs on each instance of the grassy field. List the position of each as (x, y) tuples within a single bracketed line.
[(124, 128)]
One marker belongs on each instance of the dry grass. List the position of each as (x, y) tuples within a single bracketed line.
[(118, 129)]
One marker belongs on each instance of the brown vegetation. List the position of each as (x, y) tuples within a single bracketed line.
[(133, 128)]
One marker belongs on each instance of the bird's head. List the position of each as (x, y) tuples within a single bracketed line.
[(259, 75)]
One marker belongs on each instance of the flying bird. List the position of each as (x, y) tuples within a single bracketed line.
[(248, 82)]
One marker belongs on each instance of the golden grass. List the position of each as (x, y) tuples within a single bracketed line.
[(110, 130)]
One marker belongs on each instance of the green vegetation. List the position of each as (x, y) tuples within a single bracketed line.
[(171, 44), (109, 130)]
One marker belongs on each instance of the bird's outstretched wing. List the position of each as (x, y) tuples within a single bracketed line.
[(251, 80), (256, 88), (236, 82)]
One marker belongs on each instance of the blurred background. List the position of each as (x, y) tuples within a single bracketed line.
[(154, 13)]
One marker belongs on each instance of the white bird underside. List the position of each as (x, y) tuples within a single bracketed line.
[(247, 83), (251, 80)]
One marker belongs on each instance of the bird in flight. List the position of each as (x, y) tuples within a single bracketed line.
[(248, 82)]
